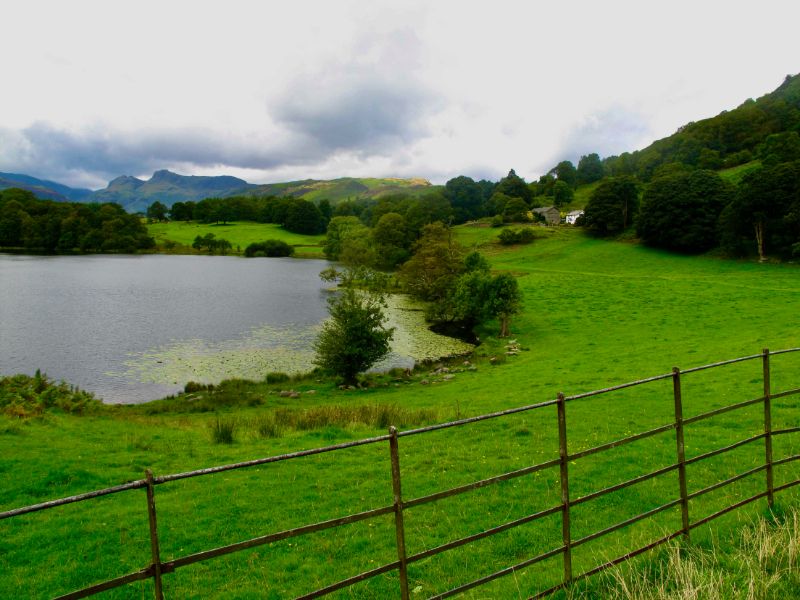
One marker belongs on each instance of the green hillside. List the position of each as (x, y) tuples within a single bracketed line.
[(344, 188), (732, 138)]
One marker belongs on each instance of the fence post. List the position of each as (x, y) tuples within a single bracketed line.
[(768, 429), (398, 513), (676, 388), (564, 456), (151, 513)]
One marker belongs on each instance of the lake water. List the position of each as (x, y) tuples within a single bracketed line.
[(136, 328)]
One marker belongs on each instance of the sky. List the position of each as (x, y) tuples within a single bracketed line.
[(277, 91)]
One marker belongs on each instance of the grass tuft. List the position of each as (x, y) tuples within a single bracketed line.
[(222, 430)]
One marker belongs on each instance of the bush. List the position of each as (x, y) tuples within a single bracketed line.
[(270, 248), (516, 236), (192, 387), (497, 221), (23, 396), (276, 377)]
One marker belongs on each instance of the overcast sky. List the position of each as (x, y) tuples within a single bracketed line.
[(276, 91)]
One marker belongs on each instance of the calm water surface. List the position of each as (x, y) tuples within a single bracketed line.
[(131, 328)]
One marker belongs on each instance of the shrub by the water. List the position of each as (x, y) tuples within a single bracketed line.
[(23, 396), (276, 377), (269, 248)]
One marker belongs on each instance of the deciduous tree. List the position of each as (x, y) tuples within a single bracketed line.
[(355, 336)]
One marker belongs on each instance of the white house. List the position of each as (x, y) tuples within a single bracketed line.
[(573, 216)]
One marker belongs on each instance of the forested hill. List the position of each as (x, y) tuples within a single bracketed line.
[(730, 139)]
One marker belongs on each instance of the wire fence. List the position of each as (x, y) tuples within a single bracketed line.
[(158, 568)]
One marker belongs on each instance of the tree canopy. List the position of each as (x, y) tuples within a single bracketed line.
[(30, 223), (611, 206), (680, 211), (355, 336)]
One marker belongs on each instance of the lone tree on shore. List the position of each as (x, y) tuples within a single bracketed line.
[(355, 336)]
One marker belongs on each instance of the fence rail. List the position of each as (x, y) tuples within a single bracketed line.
[(158, 568)]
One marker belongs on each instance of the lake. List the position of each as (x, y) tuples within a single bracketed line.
[(132, 328)]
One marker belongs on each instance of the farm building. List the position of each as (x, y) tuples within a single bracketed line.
[(551, 214), (573, 216)]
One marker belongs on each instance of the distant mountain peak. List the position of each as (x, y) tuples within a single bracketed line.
[(124, 180), (165, 175)]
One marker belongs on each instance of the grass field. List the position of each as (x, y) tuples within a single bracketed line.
[(596, 314), (239, 233)]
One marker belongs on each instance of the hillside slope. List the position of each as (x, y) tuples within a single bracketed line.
[(343, 188), (43, 188), (732, 138)]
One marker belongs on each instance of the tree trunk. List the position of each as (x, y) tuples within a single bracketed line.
[(504, 326), (759, 227)]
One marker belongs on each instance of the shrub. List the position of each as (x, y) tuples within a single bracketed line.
[(23, 396), (270, 248), (192, 387), (516, 236), (276, 377)]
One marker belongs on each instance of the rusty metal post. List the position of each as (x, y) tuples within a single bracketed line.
[(564, 456), (676, 388), (151, 513), (768, 430), (398, 513)]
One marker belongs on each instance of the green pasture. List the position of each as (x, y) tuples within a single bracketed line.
[(596, 314), (238, 233)]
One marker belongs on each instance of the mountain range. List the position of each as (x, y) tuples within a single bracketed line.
[(135, 194), (43, 188)]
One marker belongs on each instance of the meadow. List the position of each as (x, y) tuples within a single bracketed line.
[(239, 233), (596, 314)]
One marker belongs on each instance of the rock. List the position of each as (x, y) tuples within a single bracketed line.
[(448, 377), (466, 363), (294, 395), (424, 382), (285, 393), (311, 392)]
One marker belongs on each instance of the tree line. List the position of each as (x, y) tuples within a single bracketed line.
[(44, 225), (695, 210), (294, 214)]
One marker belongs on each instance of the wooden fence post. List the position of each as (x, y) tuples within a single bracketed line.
[(564, 456), (156, 555), (398, 513), (676, 388), (768, 429)]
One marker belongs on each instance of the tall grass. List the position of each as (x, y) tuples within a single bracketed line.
[(761, 561), (222, 430)]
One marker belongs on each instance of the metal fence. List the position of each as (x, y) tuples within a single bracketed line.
[(158, 568)]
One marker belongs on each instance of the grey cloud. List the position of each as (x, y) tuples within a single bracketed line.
[(361, 105), (95, 155), (607, 132)]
